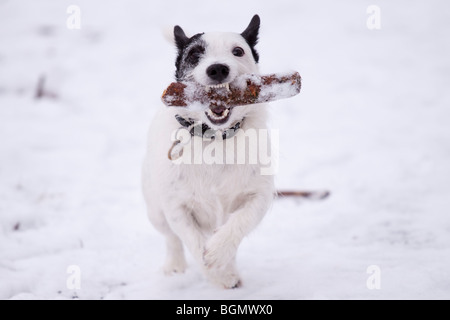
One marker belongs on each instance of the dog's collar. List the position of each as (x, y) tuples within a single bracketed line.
[(204, 131)]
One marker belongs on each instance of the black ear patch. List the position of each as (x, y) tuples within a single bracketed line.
[(251, 35), (189, 52)]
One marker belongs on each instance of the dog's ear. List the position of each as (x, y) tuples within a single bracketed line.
[(180, 37), (251, 33)]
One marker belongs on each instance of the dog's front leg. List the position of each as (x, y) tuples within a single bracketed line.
[(183, 224), (221, 248)]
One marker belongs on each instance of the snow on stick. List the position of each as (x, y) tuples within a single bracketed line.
[(248, 89)]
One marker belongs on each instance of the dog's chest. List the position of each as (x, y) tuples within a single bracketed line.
[(210, 193)]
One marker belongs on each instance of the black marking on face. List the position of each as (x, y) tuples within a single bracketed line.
[(190, 51), (194, 53)]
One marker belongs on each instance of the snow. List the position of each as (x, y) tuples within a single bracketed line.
[(371, 125)]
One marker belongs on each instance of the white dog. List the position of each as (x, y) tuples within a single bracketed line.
[(208, 207)]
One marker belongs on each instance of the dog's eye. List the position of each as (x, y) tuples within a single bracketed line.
[(194, 54), (238, 52)]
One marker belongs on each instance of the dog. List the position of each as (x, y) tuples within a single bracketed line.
[(208, 207)]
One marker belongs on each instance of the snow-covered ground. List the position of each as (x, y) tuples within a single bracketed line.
[(372, 125)]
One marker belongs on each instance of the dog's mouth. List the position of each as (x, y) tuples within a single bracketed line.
[(218, 114)]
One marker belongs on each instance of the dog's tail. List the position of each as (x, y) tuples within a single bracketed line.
[(311, 195), (167, 33)]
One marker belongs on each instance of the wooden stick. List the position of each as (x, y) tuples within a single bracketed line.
[(256, 89)]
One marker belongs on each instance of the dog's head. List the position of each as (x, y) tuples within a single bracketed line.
[(213, 59)]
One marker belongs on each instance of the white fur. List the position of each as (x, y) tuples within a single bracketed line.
[(209, 208), (219, 50)]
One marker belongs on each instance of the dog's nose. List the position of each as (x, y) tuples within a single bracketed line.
[(218, 72)]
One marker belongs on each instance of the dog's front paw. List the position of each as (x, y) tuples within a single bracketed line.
[(227, 278), (219, 251)]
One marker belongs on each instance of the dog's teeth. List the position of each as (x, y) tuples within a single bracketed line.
[(216, 117), (217, 86)]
